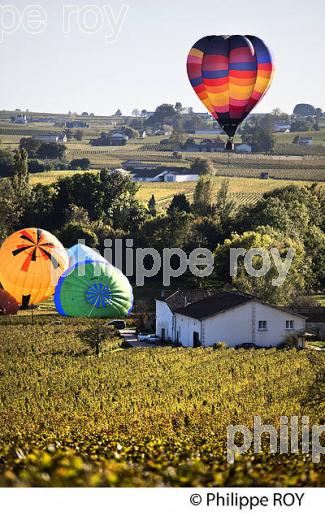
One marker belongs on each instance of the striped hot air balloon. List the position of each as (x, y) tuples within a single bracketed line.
[(230, 74), (31, 263)]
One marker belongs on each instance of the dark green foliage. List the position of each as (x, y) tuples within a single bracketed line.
[(82, 164), (179, 203)]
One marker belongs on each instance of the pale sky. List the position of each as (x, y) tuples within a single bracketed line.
[(73, 68)]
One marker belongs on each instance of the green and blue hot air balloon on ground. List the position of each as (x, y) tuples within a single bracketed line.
[(93, 288), (81, 253)]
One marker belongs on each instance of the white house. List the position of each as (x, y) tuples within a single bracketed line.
[(232, 317), (243, 148), (305, 141), (52, 138), (21, 119), (163, 175), (167, 304), (180, 176)]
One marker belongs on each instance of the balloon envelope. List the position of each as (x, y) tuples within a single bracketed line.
[(8, 304), (81, 253), (31, 263), (230, 74), (94, 289)]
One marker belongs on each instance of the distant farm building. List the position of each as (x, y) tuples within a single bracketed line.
[(305, 141), (21, 119), (210, 131), (162, 131), (205, 145), (118, 139), (77, 124), (105, 139), (52, 138), (139, 165), (264, 175), (282, 128), (243, 148), (163, 174)]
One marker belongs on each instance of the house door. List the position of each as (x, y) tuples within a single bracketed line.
[(163, 334), (196, 339)]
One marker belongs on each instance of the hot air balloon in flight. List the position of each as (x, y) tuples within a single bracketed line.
[(230, 75), (31, 263), (95, 289), (8, 304)]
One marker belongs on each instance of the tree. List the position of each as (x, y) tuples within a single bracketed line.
[(164, 113), (97, 336), (118, 113), (78, 135), (74, 231), (152, 206), (40, 208), (35, 166), (178, 106), (294, 282), (166, 231), (225, 206), (8, 207), (202, 167), (82, 164), (179, 203), (203, 197), (51, 151), (135, 112), (20, 177), (30, 144), (291, 209), (260, 139), (129, 131), (304, 109), (6, 163), (301, 125)]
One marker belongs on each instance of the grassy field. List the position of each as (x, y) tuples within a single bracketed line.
[(289, 162), (144, 416)]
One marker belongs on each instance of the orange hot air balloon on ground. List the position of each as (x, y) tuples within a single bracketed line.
[(31, 263), (8, 304)]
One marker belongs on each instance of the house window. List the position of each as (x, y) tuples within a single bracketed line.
[(290, 324), (262, 325)]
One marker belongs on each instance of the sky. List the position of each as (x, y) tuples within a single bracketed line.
[(98, 56)]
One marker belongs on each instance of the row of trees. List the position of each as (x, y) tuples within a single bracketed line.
[(104, 205)]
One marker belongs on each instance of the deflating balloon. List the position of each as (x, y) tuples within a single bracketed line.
[(31, 263), (81, 253), (8, 304), (230, 75), (94, 289)]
